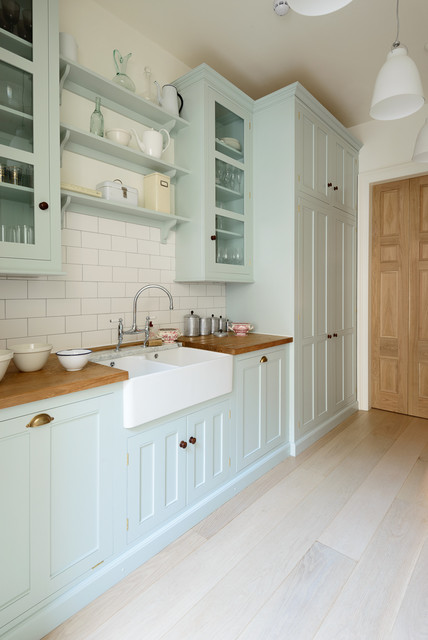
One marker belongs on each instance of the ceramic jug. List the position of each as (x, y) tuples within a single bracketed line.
[(152, 142), (168, 98)]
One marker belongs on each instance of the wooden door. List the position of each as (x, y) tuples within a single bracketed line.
[(390, 296), (418, 300)]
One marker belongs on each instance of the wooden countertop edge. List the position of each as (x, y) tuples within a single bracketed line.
[(235, 345)]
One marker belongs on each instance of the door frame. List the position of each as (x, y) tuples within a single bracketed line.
[(365, 182)]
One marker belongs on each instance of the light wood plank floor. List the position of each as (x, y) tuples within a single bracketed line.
[(330, 545)]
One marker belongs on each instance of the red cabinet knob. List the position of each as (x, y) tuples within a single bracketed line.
[(183, 444), (213, 237), (43, 206), (192, 440)]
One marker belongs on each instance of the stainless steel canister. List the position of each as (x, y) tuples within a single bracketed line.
[(214, 323), (191, 324), (222, 324), (205, 326)]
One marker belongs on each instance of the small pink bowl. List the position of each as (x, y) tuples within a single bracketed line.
[(240, 328), (169, 335)]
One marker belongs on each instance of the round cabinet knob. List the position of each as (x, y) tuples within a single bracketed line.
[(329, 336), (329, 184), (39, 420), (192, 440), (183, 444), (263, 359), (334, 335), (43, 206), (335, 188), (213, 237)]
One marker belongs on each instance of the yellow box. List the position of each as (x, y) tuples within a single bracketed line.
[(157, 192)]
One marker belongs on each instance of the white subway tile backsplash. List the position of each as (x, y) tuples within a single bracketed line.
[(15, 328), (81, 222), (112, 258), (105, 263), (97, 274), (112, 227), (119, 243), (96, 240), (46, 289), (46, 326), (81, 289), (77, 255), (63, 307), (13, 289), (25, 308), (81, 323)]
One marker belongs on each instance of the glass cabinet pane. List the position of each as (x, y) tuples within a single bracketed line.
[(229, 187), (16, 21), (229, 133), (230, 246)]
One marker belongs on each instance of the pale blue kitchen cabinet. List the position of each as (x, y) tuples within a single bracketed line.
[(56, 490), (174, 464), (262, 404), (30, 211), (217, 243)]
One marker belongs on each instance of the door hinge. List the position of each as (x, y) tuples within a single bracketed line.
[(230, 414), (298, 115), (127, 524), (230, 462), (97, 565), (249, 195), (249, 125), (127, 459), (298, 208), (298, 177)]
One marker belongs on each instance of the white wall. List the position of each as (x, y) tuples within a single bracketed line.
[(386, 155), (105, 262)]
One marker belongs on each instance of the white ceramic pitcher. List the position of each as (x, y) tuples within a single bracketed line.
[(152, 142)]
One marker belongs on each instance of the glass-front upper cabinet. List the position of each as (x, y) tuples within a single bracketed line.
[(29, 137), (232, 238)]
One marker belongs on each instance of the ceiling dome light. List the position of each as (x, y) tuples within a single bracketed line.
[(317, 7), (420, 153), (398, 89)]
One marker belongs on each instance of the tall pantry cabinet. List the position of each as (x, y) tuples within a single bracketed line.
[(305, 189)]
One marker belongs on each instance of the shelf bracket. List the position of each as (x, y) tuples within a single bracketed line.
[(65, 203), (62, 80), (169, 126), (63, 143), (165, 229), (171, 173)]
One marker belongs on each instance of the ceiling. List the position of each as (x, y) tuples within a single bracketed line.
[(336, 56)]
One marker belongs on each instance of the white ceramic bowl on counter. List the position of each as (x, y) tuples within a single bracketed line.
[(31, 356), (74, 359), (6, 356)]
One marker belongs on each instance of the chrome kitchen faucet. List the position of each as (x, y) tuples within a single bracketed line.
[(134, 329)]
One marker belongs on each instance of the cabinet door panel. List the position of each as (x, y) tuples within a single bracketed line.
[(156, 476), (252, 412), (274, 402), (208, 456), (15, 532)]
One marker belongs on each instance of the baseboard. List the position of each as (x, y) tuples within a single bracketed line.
[(40, 620), (313, 436)]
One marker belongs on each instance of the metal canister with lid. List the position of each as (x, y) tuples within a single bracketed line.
[(205, 326), (222, 324), (191, 324), (214, 323)]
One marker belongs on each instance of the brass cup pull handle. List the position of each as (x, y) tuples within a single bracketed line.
[(192, 440), (183, 444), (39, 420), (263, 359)]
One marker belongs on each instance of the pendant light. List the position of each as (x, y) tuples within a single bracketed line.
[(420, 153), (316, 7), (398, 89)]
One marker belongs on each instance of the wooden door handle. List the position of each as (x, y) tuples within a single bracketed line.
[(183, 444), (192, 440)]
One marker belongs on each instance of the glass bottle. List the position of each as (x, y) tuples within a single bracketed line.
[(97, 119), (121, 76)]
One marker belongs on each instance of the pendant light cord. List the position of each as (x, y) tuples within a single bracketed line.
[(396, 43)]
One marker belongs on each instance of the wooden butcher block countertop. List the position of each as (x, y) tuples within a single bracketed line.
[(53, 380), (235, 345)]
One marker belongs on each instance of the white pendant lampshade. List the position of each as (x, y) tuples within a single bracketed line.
[(317, 7), (420, 153), (398, 89)]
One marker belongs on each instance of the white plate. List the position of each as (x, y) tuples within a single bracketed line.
[(232, 142)]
